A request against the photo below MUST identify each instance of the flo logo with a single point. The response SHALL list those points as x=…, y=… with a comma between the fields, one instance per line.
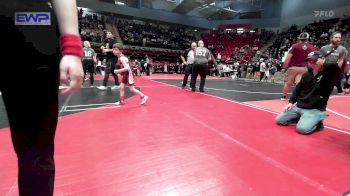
x=32, y=18
x=323, y=13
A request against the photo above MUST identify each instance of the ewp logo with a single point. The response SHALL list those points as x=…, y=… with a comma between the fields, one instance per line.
x=32, y=18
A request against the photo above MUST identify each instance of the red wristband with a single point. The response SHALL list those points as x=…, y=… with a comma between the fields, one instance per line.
x=71, y=44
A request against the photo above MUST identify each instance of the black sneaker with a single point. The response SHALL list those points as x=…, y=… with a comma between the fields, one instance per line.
x=183, y=87
x=202, y=91
x=120, y=102
x=283, y=98
x=320, y=126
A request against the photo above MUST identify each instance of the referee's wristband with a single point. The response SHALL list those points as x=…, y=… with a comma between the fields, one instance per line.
x=71, y=44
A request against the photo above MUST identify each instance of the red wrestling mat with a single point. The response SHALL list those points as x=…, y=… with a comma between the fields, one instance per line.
x=163, y=76
x=338, y=110
x=180, y=77
x=184, y=143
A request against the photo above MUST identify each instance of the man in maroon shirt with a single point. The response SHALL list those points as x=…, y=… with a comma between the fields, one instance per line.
x=295, y=65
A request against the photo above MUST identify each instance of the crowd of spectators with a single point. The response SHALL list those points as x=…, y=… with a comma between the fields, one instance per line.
x=152, y=34
x=238, y=53
x=319, y=32
x=91, y=26
x=233, y=45
x=162, y=42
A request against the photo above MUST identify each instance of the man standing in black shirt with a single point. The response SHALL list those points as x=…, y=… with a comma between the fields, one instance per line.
x=110, y=61
x=307, y=106
x=187, y=59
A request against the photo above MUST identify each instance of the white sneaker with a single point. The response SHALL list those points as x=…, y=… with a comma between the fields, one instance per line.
x=144, y=100
x=102, y=87
x=115, y=87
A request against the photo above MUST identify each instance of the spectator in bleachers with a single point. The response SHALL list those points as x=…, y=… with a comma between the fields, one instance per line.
x=165, y=67
x=142, y=33
x=147, y=65
x=250, y=73
x=137, y=68
x=272, y=71
x=91, y=25
x=143, y=66
x=218, y=57
x=256, y=71
x=227, y=70
x=177, y=67
x=295, y=65
x=263, y=69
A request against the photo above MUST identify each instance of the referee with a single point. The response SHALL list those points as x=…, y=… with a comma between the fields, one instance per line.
x=202, y=56
x=187, y=59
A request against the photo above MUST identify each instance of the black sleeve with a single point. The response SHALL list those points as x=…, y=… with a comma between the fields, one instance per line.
x=331, y=76
x=184, y=54
x=111, y=42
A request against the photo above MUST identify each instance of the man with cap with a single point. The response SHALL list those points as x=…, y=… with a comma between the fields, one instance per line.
x=295, y=65
x=307, y=105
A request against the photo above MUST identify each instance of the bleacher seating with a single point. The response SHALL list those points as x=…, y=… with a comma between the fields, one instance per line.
x=228, y=43
x=319, y=34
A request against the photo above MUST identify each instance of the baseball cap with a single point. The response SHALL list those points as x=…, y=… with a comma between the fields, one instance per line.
x=314, y=55
x=304, y=35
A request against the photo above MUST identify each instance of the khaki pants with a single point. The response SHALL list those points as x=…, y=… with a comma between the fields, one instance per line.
x=293, y=74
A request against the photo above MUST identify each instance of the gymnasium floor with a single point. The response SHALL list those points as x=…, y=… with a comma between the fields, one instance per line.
x=222, y=142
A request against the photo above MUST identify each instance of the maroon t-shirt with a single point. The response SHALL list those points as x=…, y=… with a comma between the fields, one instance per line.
x=300, y=51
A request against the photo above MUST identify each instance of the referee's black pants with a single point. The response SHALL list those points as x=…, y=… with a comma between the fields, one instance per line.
x=188, y=72
x=110, y=70
x=31, y=98
x=339, y=84
x=202, y=70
